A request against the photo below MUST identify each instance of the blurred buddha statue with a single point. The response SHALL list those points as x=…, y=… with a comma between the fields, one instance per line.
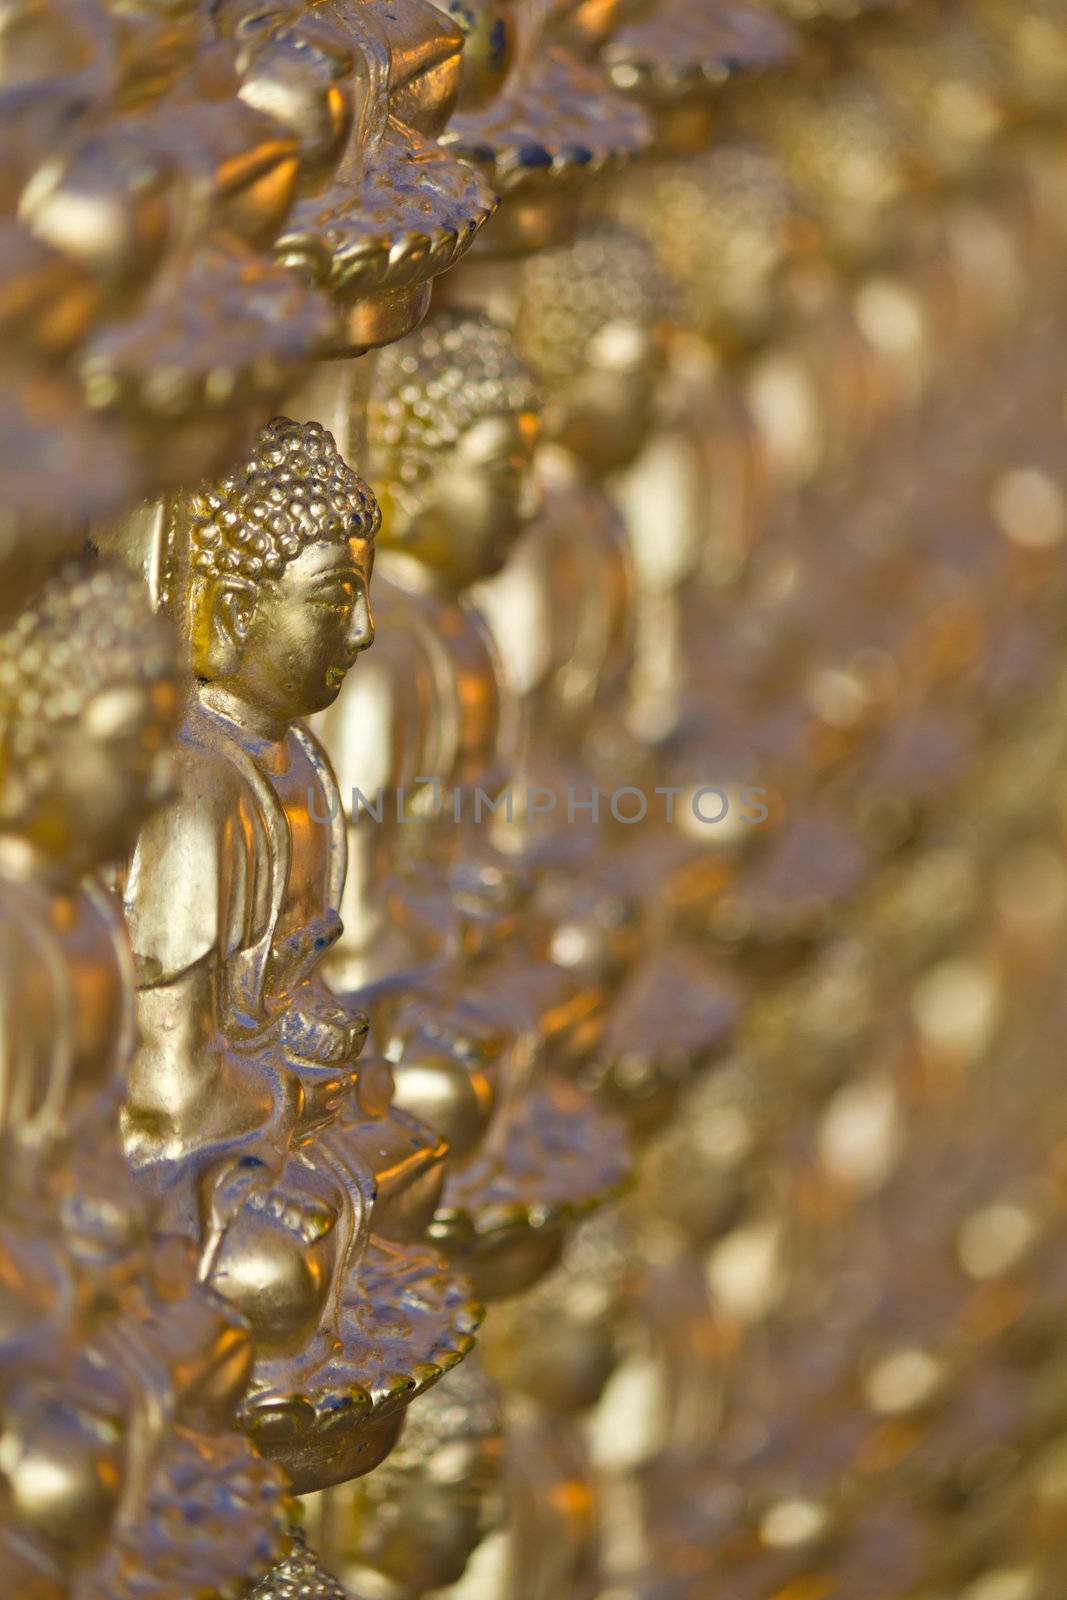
x=839, y=345
x=491, y=1486
x=451, y=426
x=594, y=321
x=1034, y=43
x=595, y=318
x=785, y=342
x=966, y=270
x=559, y=1354
x=121, y=1372
x=196, y=329
x=249, y=1110
x=949, y=76
x=410, y=1528
x=475, y=1016
x=147, y=329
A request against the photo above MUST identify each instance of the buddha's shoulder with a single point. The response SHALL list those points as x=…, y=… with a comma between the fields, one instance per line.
x=213, y=769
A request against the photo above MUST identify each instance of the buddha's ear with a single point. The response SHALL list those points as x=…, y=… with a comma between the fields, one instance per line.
x=226, y=611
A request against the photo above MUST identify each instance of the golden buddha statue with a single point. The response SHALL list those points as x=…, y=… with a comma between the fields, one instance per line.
x=146, y=327
x=248, y=1108
x=461, y=989
x=197, y=330
x=398, y=209
x=596, y=320
x=471, y=1011
x=47, y=306
x=122, y=1373
x=593, y=320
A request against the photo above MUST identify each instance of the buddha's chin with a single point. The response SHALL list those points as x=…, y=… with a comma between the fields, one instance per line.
x=335, y=677
x=327, y=694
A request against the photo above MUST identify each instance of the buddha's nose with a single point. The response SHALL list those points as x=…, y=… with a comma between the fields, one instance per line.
x=361, y=632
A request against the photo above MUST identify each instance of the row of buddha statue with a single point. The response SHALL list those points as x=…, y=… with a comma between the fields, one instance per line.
x=522, y=923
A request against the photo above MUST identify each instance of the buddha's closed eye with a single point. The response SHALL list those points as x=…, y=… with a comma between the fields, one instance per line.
x=339, y=595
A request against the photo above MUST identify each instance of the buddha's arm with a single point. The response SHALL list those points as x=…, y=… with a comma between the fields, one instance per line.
x=172, y=1081
x=185, y=896
x=360, y=733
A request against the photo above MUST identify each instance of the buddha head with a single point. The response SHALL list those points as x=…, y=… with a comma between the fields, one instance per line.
x=277, y=558
x=89, y=697
x=452, y=423
x=590, y=322
x=726, y=224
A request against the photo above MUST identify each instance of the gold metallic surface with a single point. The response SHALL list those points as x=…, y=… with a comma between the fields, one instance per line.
x=555, y=124
x=121, y=1373
x=605, y=857
x=397, y=209
x=248, y=1106
x=475, y=1021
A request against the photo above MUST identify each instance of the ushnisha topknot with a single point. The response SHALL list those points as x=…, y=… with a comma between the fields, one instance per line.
x=294, y=490
x=607, y=274
x=430, y=387
x=90, y=628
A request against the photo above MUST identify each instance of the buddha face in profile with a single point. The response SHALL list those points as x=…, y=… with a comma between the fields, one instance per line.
x=281, y=555
x=591, y=324
x=89, y=700
x=453, y=423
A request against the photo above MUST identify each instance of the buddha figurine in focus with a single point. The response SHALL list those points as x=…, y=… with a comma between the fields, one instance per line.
x=249, y=1109
x=467, y=1003
x=122, y=1473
